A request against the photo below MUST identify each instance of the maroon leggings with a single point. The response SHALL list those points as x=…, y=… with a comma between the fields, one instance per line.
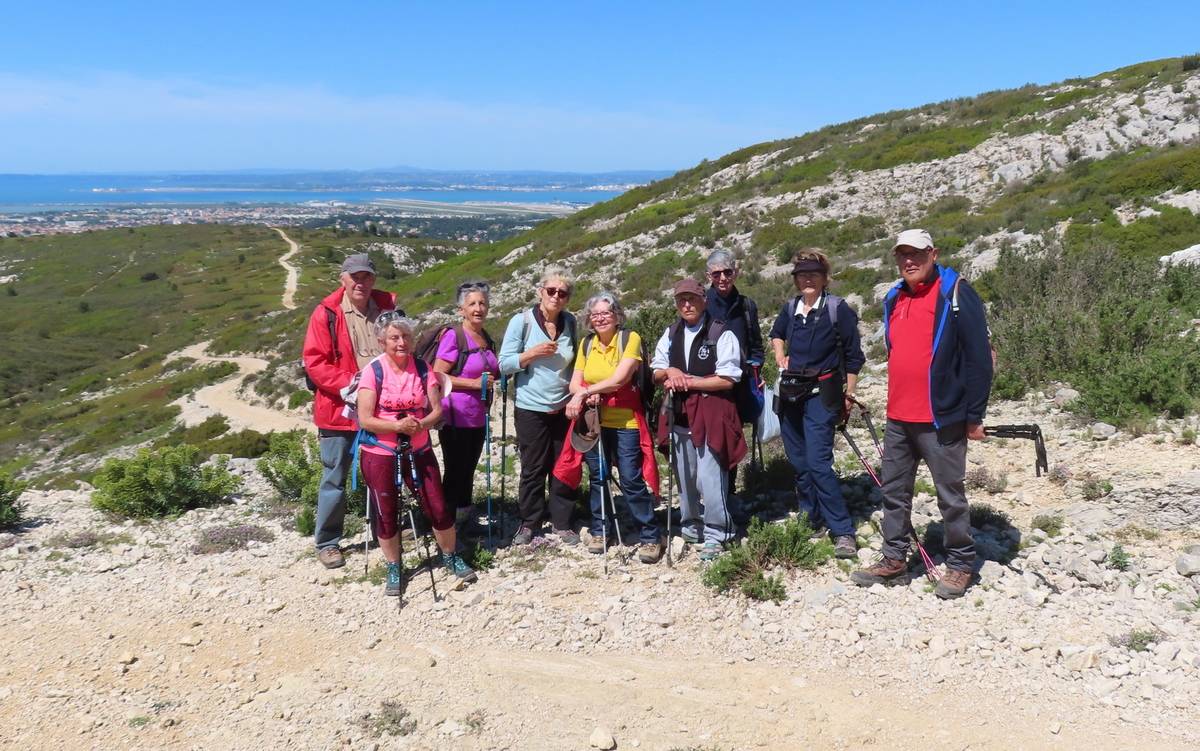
x=379, y=471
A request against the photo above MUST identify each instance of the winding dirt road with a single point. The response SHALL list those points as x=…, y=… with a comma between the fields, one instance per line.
x=222, y=398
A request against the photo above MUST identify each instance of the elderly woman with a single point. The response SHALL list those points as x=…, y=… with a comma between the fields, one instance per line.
x=398, y=401
x=465, y=354
x=539, y=351
x=608, y=358
x=740, y=315
x=819, y=363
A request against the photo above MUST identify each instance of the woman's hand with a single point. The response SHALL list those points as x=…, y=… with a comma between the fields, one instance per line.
x=545, y=349
x=408, y=425
x=593, y=400
x=781, y=361
x=575, y=406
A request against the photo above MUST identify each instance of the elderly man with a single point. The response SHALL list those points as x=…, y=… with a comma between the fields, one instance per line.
x=339, y=342
x=939, y=378
x=698, y=361
x=740, y=315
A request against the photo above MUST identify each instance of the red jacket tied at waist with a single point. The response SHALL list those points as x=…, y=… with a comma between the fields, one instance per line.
x=569, y=467
x=714, y=422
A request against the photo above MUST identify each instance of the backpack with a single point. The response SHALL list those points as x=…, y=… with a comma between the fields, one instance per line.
x=427, y=346
x=527, y=323
x=350, y=392
x=643, y=377
x=331, y=319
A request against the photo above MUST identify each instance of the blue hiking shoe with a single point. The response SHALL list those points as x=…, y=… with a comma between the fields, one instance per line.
x=457, y=566
x=391, y=587
x=710, y=550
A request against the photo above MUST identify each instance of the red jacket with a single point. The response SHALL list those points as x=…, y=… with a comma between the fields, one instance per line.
x=569, y=466
x=329, y=374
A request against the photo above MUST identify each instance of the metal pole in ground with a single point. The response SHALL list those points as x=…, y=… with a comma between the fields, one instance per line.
x=503, y=446
x=603, y=506
x=487, y=447
x=669, y=407
x=405, y=447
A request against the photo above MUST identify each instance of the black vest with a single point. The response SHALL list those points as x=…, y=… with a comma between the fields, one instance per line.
x=702, y=360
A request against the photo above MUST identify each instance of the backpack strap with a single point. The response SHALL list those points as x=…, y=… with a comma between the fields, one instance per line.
x=954, y=297
x=462, y=348
x=587, y=345
x=331, y=320
x=377, y=368
x=790, y=315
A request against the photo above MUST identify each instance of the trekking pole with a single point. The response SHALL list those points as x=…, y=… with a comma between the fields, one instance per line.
x=1032, y=432
x=399, y=480
x=367, y=538
x=405, y=445
x=866, y=416
x=603, y=506
x=930, y=568
x=503, y=446
x=487, y=443
x=669, y=405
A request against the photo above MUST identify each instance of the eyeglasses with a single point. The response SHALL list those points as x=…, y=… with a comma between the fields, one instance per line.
x=601, y=315
x=560, y=293
x=719, y=273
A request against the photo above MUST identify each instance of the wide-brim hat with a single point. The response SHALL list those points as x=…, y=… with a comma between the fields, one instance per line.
x=587, y=430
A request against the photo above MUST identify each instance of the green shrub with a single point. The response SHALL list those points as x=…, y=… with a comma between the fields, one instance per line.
x=11, y=509
x=299, y=398
x=983, y=515
x=1094, y=488
x=1136, y=640
x=1051, y=524
x=292, y=465
x=306, y=521
x=161, y=482
x=228, y=538
x=1070, y=317
x=246, y=444
x=767, y=546
x=1118, y=558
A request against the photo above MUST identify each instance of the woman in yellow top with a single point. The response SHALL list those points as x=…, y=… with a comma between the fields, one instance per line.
x=605, y=365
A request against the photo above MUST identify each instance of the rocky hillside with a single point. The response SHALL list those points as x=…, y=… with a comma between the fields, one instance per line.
x=1113, y=158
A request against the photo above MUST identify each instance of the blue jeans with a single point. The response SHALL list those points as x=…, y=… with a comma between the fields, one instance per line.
x=331, y=495
x=807, y=427
x=623, y=442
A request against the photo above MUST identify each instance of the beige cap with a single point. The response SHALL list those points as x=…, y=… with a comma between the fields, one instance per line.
x=914, y=238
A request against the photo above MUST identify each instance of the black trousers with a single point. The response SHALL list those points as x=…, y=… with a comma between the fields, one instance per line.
x=461, y=448
x=540, y=437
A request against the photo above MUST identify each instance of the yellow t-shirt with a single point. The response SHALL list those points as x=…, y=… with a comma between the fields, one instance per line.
x=602, y=363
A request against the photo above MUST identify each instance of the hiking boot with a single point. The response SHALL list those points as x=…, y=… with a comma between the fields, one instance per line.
x=457, y=566
x=845, y=546
x=710, y=550
x=391, y=587
x=567, y=536
x=690, y=535
x=596, y=544
x=524, y=536
x=953, y=584
x=331, y=557
x=886, y=571
x=651, y=552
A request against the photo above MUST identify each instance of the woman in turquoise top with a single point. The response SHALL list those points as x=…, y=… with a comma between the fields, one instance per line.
x=538, y=353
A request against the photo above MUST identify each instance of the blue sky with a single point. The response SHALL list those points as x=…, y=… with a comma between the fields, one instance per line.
x=129, y=86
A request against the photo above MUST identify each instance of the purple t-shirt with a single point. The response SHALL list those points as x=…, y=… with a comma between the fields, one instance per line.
x=466, y=409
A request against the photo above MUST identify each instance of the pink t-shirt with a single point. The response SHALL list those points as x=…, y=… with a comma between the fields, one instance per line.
x=464, y=409
x=402, y=394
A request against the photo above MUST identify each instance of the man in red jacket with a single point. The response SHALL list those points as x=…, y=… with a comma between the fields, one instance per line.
x=339, y=342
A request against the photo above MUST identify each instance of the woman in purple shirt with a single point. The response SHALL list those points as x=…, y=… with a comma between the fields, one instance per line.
x=465, y=411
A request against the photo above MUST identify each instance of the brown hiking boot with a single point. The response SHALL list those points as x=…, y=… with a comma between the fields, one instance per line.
x=331, y=557
x=953, y=584
x=886, y=571
x=650, y=552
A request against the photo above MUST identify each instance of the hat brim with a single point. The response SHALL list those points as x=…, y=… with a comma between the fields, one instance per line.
x=587, y=431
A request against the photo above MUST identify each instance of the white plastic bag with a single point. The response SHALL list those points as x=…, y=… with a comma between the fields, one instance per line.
x=768, y=421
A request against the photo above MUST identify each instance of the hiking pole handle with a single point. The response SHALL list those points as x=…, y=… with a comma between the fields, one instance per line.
x=483, y=386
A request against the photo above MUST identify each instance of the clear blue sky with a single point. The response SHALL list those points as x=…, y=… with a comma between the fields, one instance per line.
x=128, y=86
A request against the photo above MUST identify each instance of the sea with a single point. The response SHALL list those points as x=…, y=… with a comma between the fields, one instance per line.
x=32, y=193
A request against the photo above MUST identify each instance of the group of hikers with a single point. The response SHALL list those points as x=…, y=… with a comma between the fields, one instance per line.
x=582, y=395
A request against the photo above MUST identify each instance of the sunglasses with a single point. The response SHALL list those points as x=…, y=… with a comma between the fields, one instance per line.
x=719, y=273
x=560, y=293
x=474, y=286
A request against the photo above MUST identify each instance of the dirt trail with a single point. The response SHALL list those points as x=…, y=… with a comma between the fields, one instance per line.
x=293, y=273
x=223, y=398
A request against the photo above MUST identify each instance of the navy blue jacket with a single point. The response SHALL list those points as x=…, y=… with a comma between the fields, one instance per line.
x=740, y=315
x=960, y=374
x=814, y=345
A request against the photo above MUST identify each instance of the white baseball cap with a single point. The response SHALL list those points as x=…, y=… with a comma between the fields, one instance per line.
x=914, y=238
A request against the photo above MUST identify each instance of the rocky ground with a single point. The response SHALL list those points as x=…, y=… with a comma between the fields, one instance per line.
x=122, y=635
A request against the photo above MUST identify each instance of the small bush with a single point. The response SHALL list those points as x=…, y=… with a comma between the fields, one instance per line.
x=161, y=482
x=1094, y=488
x=1059, y=474
x=1051, y=524
x=12, y=511
x=292, y=465
x=983, y=515
x=1117, y=558
x=1191, y=62
x=480, y=558
x=229, y=538
x=299, y=399
x=1131, y=532
x=87, y=538
x=391, y=719
x=979, y=478
x=306, y=521
x=245, y=444
x=1188, y=437
x=767, y=546
x=1136, y=640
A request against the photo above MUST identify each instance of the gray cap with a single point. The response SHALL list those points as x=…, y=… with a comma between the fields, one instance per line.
x=356, y=263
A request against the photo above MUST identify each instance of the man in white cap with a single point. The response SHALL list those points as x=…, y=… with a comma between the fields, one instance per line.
x=339, y=342
x=939, y=378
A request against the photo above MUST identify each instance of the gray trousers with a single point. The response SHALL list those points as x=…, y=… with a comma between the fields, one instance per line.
x=331, y=495
x=703, y=490
x=945, y=453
